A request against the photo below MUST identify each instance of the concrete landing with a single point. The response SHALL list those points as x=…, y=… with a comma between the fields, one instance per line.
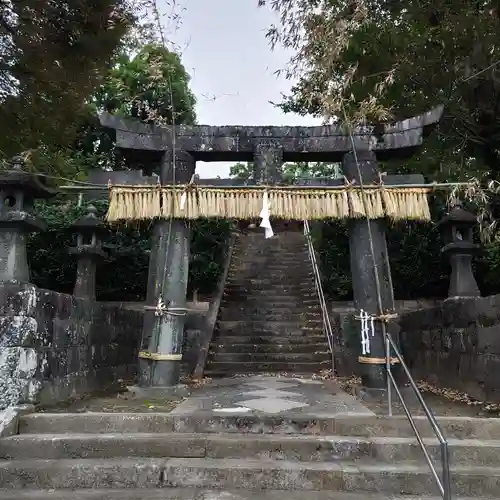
x=197, y=494
x=272, y=395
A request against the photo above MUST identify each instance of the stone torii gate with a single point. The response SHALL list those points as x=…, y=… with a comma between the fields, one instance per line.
x=151, y=147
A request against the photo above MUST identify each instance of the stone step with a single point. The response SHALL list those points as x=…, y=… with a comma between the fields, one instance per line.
x=270, y=294
x=278, y=302
x=278, y=287
x=351, y=425
x=306, y=290
x=280, y=328
x=253, y=272
x=296, y=255
x=289, y=248
x=232, y=314
x=216, y=368
x=298, y=448
x=267, y=306
x=269, y=339
x=285, y=281
x=270, y=348
x=272, y=262
x=265, y=280
x=282, y=313
x=239, y=474
x=201, y=494
x=259, y=271
x=255, y=275
x=255, y=298
x=285, y=475
x=268, y=358
x=270, y=255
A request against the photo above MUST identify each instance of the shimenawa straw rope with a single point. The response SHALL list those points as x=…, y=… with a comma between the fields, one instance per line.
x=288, y=202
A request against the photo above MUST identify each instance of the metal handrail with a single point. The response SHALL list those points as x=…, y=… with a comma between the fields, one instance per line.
x=444, y=483
x=319, y=290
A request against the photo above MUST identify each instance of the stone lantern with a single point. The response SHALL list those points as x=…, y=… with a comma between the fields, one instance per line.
x=18, y=191
x=89, y=232
x=457, y=229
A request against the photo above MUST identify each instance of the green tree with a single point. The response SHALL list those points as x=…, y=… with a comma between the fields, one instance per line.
x=53, y=55
x=123, y=274
x=290, y=171
x=378, y=60
x=152, y=86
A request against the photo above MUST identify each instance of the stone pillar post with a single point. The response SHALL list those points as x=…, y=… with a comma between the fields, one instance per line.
x=267, y=163
x=361, y=231
x=457, y=229
x=88, y=250
x=18, y=190
x=161, y=352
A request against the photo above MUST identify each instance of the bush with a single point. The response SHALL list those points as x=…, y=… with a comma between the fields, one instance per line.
x=123, y=274
x=418, y=268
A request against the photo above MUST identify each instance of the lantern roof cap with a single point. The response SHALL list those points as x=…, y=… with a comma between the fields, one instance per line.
x=458, y=215
x=90, y=221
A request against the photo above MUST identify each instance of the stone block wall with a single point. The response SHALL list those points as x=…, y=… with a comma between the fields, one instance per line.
x=195, y=330
x=456, y=345
x=54, y=346
x=347, y=332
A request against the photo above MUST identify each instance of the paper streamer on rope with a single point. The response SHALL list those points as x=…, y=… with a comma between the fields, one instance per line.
x=288, y=203
x=264, y=215
x=183, y=200
x=367, y=331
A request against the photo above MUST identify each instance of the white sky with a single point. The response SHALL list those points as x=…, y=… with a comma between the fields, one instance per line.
x=224, y=49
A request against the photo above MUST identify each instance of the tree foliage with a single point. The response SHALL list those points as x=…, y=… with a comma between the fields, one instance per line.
x=290, y=171
x=53, y=55
x=378, y=60
x=152, y=86
x=122, y=275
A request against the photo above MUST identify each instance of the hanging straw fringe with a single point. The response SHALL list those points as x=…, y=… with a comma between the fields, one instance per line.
x=289, y=203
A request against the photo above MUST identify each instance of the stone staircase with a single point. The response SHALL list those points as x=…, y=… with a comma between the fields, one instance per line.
x=127, y=456
x=270, y=318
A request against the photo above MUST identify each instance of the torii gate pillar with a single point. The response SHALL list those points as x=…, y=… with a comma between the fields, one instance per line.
x=161, y=350
x=370, y=272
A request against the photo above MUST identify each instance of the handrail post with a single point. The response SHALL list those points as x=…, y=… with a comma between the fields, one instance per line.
x=444, y=484
x=388, y=374
x=445, y=462
x=319, y=290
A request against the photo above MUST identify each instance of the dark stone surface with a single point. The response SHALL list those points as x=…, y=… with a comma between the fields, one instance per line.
x=167, y=283
x=18, y=190
x=457, y=230
x=267, y=163
x=238, y=143
x=371, y=274
x=198, y=345
x=88, y=250
x=269, y=317
x=167, y=280
x=54, y=346
x=346, y=332
x=456, y=345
